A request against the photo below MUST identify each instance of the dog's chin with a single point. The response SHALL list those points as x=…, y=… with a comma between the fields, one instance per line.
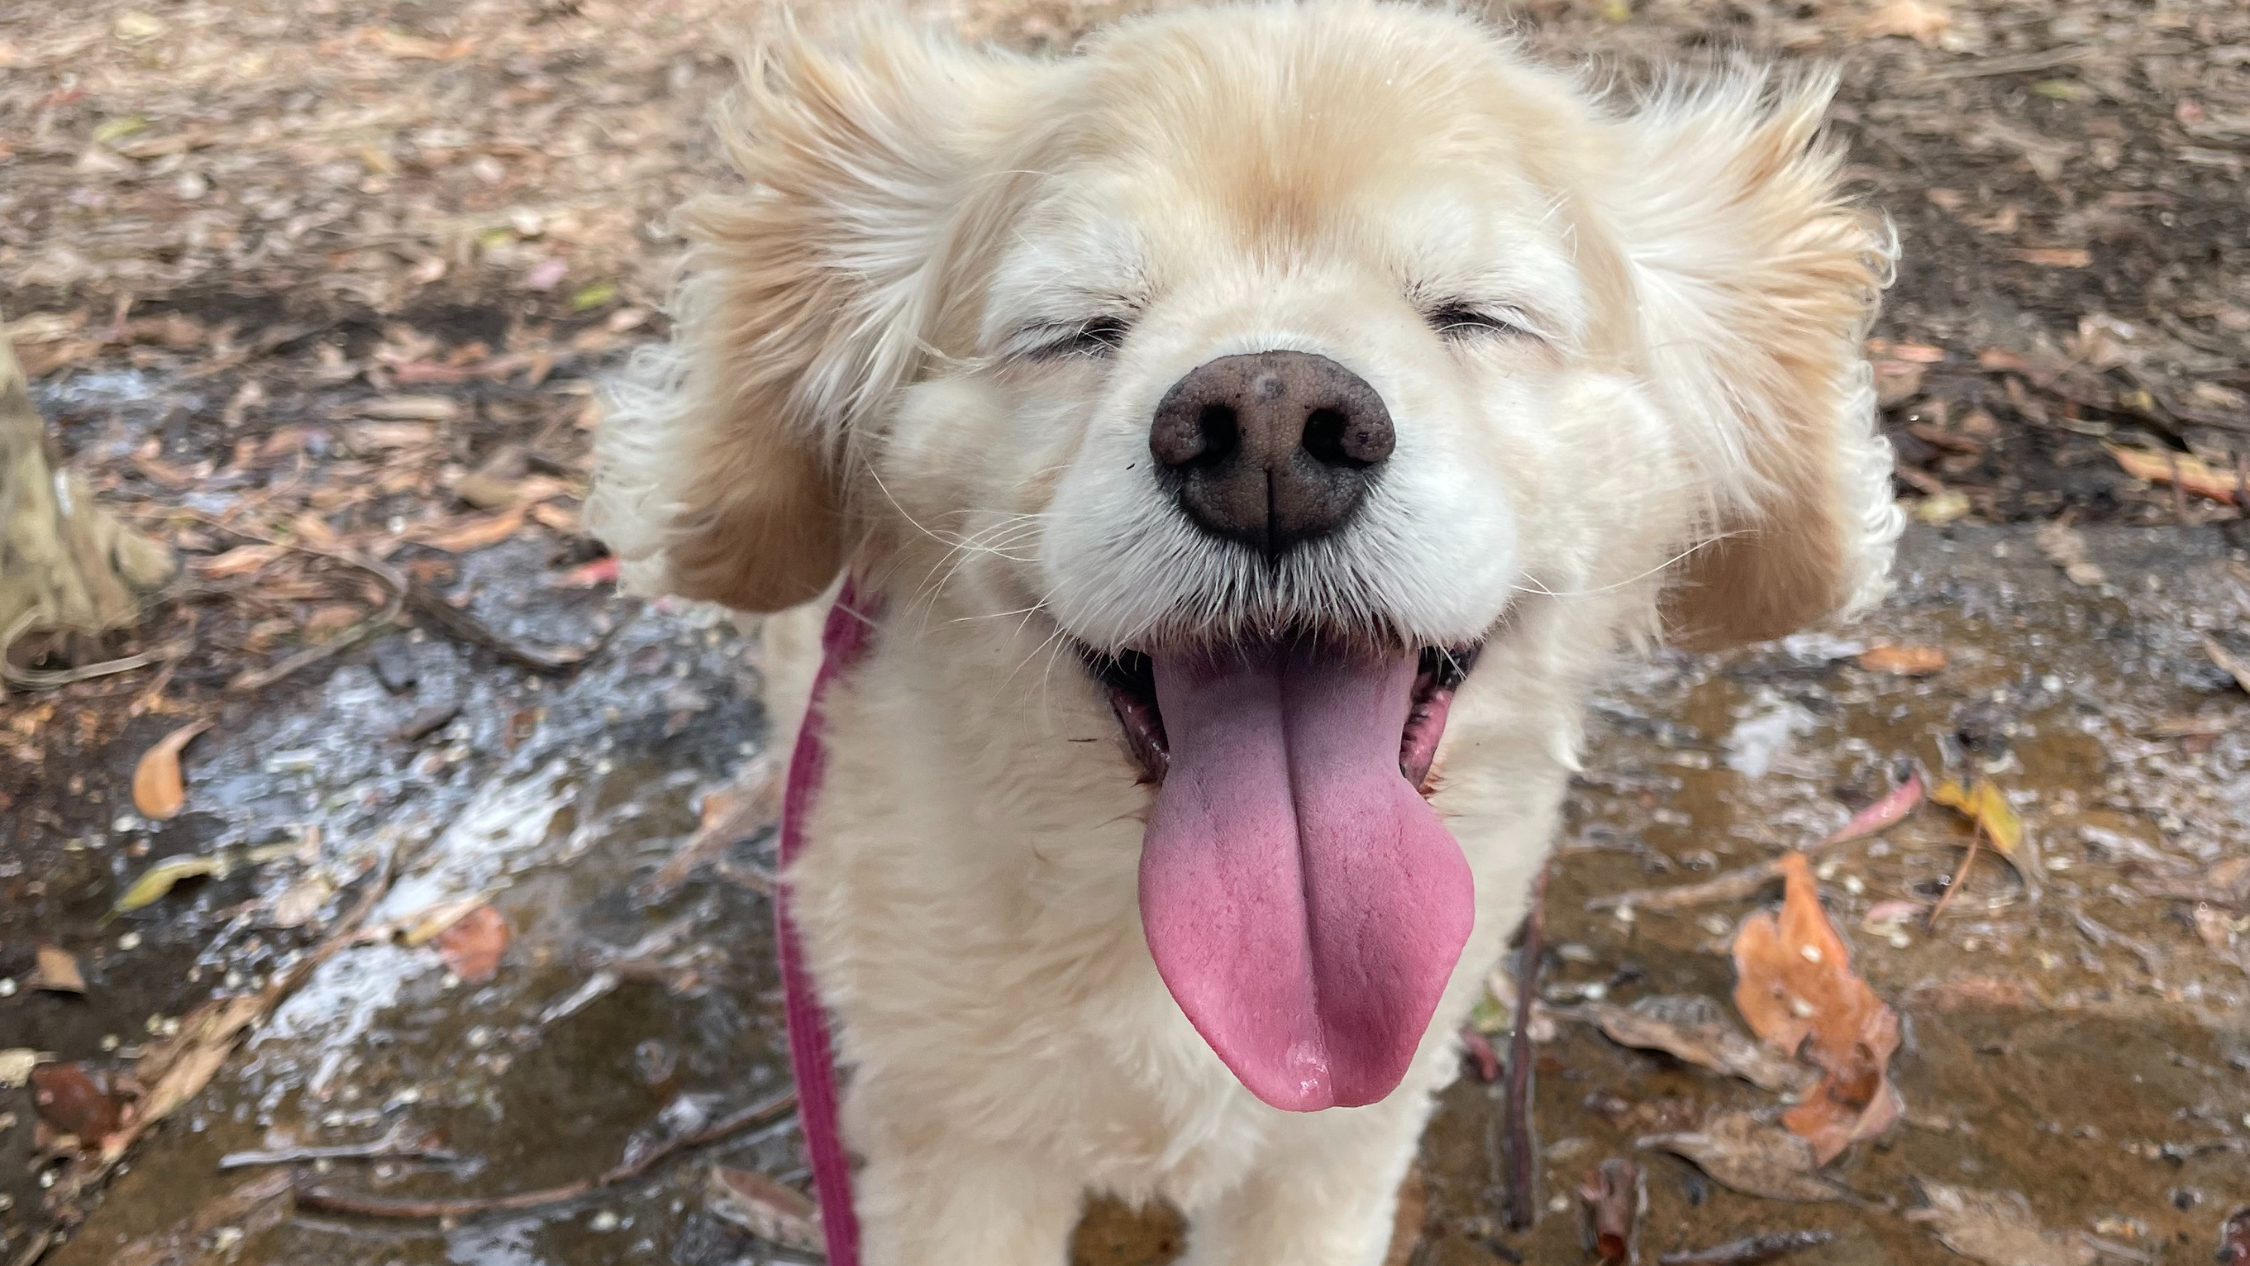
x=1128, y=679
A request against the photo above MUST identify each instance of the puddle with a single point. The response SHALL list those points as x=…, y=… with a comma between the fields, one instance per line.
x=2085, y=1047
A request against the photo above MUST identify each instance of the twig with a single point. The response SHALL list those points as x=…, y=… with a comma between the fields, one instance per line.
x=35, y=1250
x=390, y=1146
x=1751, y=1251
x=1518, y=1146
x=326, y=1201
x=40, y=679
x=1734, y=885
x=453, y=620
x=2048, y=60
x=1960, y=875
x=393, y=609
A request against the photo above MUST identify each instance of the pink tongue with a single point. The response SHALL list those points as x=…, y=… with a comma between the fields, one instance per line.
x=1303, y=903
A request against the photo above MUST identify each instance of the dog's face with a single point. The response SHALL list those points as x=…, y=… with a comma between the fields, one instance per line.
x=1271, y=358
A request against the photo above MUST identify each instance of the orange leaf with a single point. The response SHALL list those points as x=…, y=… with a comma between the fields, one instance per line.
x=2053, y=256
x=1796, y=988
x=157, y=791
x=473, y=945
x=1903, y=661
x=2189, y=471
x=475, y=534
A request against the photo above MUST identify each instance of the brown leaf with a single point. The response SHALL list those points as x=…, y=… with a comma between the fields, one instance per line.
x=1742, y=1153
x=1903, y=661
x=2235, y=666
x=254, y=1207
x=411, y=409
x=74, y=1102
x=778, y=1214
x=1669, y=1025
x=473, y=945
x=241, y=560
x=1996, y=1227
x=474, y=534
x=2052, y=256
x=57, y=971
x=178, y=1069
x=1612, y=1200
x=2184, y=469
x=1796, y=988
x=157, y=790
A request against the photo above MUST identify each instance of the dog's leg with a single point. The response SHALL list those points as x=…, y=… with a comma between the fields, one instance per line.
x=943, y=1207
x=1323, y=1198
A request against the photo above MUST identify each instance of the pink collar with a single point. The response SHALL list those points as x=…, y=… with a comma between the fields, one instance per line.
x=812, y=1056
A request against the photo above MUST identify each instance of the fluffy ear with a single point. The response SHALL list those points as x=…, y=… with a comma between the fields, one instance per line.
x=722, y=468
x=1756, y=283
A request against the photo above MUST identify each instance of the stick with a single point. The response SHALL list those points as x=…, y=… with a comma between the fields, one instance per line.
x=1960, y=876
x=1734, y=885
x=1749, y=1252
x=457, y=623
x=1518, y=1145
x=326, y=1201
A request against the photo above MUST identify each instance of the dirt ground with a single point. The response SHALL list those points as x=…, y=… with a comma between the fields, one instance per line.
x=320, y=292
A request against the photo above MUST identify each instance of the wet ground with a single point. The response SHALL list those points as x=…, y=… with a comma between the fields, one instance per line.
x=2088, y=1046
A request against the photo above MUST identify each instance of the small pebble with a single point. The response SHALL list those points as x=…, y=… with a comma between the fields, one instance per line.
x=1900, y=940
x=110, y=1041
x=607, y=1221
x=1854, y=885
x=129, y=942
x=1560, y=1204
x=7, y=986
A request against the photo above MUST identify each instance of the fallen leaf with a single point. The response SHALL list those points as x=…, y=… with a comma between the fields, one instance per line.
x=1894, y=805
x=157, y=791
x=2052, y=256
x=16, y=1064
x=433, y=921
x=177, y=1069
x=159, y=879
x=1942, y=508
x=1612, y=1201
x=1915, y=19
x=72, y=1101
x=473, y=945
x=1903, y=661
x=594, y=296
x=411, y=409
x=241, y=560
x=1884, y=915
x=250, y=1209
x=2214, y=927
x=1683, y=1028
x=474, y=534
x=57, y=971
x=1996, y=1227
x=1796, y=988
x=778, y=1214
x=299, y=902
x=557, y=518
x=2185, y=469
x=2235, y=666
x=1987, y=806
x=1744, y=1154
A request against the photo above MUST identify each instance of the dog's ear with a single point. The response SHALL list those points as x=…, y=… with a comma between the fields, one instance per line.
x=722, y=468
x=1755, y=283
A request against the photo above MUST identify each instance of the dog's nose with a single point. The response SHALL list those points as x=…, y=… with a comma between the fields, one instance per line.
x=1271, y=448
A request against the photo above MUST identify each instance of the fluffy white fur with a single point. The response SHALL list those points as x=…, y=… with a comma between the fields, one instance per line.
x=1678, y=440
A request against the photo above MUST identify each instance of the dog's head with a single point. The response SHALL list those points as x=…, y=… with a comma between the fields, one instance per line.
x=1272, y=355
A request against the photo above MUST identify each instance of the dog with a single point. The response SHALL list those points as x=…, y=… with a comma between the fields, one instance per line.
x=1255, y=432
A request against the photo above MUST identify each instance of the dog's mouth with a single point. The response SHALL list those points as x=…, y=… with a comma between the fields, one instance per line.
x=1129, y=681
x=1303, y=902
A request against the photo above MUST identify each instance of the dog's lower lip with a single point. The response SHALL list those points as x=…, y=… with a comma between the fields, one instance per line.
x=1128, y=679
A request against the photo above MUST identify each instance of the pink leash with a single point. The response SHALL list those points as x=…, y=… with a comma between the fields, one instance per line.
x=812, y=1056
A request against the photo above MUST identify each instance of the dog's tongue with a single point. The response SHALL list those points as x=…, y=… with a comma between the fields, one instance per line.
x=1303, y=903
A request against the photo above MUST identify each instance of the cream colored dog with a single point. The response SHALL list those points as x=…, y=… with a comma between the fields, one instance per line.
x=1260, y=428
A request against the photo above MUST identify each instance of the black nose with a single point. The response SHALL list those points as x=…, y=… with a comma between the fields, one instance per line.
x=1271, y=448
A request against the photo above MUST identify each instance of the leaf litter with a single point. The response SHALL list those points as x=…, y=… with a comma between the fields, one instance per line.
x=157, y=789
x=1747, y=1155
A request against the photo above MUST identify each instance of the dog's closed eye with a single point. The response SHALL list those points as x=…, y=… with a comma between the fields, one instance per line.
x=1461, y=320
x=1099, y=336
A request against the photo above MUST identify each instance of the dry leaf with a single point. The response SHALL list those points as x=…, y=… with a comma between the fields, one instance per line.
x=16, y=1064
x=72, y=1101
x=2052, y=256
x=1679, y=1027
x=1915, y=19
x=1890, y=809
x=2236, y=666
x=241, y=560
x=159, y=879
x=57, y=971
x=250, y=1209
x=1996, y=1227
x=178, y=1069
x=300, y=901
x=473, y=945
x=2186, y=469
x=1903, y=661
x=556, y=518
x=778, y=1214
x=411, y=409
x=1742, y=1153
x=1987, y=806
x=1612, y=1201
x=432, y=922
x=157, y=792
x=1796, y=988
x=474, y=534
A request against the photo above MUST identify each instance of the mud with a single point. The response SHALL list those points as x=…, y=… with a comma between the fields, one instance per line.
x=2085, y=1047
